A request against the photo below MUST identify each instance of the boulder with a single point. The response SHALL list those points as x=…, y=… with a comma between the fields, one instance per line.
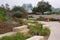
x=36, y=38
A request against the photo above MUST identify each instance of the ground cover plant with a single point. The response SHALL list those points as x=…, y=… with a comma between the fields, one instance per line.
x=18, y=36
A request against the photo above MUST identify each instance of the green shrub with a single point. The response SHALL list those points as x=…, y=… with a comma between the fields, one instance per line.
x=41, y=18
x=18, y=15
x=52, y=19
x=2, y=15
x=21, y=22
x=38, y=30
x=45, y=32
x=15, y=37
x=35, y=30
x=30, y=16
x=2, y=19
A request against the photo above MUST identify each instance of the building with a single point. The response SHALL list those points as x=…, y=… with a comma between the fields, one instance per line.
x=28, y=7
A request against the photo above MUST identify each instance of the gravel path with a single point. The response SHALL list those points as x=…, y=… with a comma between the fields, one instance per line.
x=55, y=30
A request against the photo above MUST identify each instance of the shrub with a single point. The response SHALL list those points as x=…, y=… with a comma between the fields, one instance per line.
x=45, y=32
x=22, y=22
x=2, y=15
x=30, y=16
x=52, y=19
x=34, y=30
x=38, y=30
x=3, y=19
x=18, y=14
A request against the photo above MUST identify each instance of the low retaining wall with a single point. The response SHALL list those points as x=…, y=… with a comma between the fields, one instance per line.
x=36, y=38
x=46, y=16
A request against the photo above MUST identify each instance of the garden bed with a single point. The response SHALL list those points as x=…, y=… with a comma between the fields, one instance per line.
x=7, y=27
x=34, y=27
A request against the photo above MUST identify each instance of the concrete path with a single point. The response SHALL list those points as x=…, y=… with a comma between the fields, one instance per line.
x=55, y=30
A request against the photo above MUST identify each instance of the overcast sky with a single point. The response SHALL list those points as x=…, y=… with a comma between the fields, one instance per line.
x=54, y=3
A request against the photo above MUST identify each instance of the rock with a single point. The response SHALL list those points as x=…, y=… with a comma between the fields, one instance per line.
x=26, y=31
x=8, y=34
x=36, y=38
x=45, y=26
x=31, y=24
x=20, y=28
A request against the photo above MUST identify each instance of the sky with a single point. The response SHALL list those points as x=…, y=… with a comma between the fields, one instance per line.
x=54, y=3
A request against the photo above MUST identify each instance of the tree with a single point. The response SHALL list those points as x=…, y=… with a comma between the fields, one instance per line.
x=18, y=8
x=7, y=7
x=42, y=7
x=35, y=9
x=2, y=14
x=3, y=6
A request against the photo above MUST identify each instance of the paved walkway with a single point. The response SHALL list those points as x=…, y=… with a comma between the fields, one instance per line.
x=55, y=30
